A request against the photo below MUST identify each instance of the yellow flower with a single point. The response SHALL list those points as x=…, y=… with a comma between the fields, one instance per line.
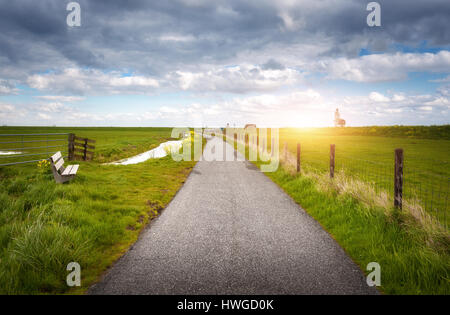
x=43, y=164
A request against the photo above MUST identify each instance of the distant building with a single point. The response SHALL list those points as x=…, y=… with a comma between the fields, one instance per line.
x=338, y=121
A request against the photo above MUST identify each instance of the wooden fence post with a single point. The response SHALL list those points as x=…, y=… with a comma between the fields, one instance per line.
x=71, y=147
x=332, y=156
x=298, y=157
x=398, y=179
x=85, y=149
x=79, y=148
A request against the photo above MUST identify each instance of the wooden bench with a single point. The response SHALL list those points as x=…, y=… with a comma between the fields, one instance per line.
x=60, y=173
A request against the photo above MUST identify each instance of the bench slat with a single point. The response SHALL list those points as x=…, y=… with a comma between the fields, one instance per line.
x=56, y=156
x=67, y=170
x=59, y=164
x=74, y=170
x=61, y=174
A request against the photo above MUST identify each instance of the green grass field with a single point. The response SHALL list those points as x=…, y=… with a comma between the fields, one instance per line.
x=92, y=220
x=370, y=158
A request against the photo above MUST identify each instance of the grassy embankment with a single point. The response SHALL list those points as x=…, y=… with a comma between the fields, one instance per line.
x=414, y=252
x=92, y=220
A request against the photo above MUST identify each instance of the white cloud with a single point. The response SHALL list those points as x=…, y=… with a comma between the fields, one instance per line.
x=290, y=23
x=440, y=101
x=6, y=108
x=59, y=98
x=177, y=38
x=89, y=81
x=52, y=107
x=304, y=108
x=236, y=79
x=44, y=116
x=401, y=107
x=398, y=98
x=383, y=67
x=300, y=107
x=135, y=81
x=394, y=110
x=168, y=110
x=377, y=97
x=7, y=88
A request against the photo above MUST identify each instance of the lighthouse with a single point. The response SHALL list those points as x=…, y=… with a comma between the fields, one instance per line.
x=338, y=121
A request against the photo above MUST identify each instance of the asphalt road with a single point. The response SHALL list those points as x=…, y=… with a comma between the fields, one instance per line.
x=231, y=230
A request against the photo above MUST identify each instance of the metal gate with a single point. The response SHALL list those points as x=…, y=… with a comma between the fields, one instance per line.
x=31, y=148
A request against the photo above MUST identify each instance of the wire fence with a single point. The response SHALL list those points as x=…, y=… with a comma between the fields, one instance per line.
x=428, y=189
x=379, y=175
x=422, y=189
x=30, y=148
x=425, y=184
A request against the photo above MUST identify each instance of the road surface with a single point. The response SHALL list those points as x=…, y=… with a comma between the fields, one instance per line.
x=231, y=230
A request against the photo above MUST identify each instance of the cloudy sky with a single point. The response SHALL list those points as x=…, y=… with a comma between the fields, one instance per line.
x=212, y=62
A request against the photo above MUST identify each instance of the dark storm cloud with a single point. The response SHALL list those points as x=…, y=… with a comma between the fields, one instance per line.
x=272, y=64
x=417, y=20
x=156, y=37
